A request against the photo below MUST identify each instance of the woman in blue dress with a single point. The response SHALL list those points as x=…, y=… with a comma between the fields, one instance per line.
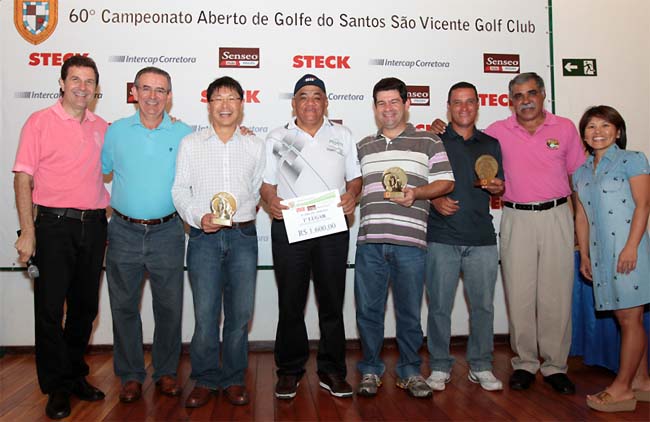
x=613, y=188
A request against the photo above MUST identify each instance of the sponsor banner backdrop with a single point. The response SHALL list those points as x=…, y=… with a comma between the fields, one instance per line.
x=266, y=47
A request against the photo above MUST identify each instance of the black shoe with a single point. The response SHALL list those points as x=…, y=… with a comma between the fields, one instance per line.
x=286, y=387
x=561, y=383
x=335, y=384
x=86, y=392
x=521, y=380
x=58, y=405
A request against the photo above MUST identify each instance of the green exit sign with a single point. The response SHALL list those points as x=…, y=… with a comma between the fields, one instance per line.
x=579, y=67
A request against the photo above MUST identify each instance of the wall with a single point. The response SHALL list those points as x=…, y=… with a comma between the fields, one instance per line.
x=618, y=37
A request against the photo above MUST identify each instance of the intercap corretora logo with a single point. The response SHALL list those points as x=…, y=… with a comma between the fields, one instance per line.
x=36, y=20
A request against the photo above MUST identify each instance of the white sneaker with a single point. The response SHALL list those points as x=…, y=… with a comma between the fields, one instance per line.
x=487, y=380
x=438, y=379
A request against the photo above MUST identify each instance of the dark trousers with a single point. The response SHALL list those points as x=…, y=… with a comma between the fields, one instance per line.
x=325, y=259
x=69, y=254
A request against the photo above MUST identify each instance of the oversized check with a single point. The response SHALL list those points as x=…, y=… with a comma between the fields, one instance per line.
x=313, y=216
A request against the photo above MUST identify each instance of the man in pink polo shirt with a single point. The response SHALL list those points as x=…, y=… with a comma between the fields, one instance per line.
x=61, y=201
x=540, y=152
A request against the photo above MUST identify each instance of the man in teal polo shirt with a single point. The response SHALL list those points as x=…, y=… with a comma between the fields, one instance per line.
x=145, y=234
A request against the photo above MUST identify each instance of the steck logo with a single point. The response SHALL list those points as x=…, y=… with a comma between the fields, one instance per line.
x=239, y=57
x=35, y=21
x=320, y=62
x=494, y=100
x=418, y=94
x=250, y=96
x=501, y=63
x=51, y=59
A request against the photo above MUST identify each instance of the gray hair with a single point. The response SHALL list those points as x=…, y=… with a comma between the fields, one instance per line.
x=525, y=77
x=155, y=70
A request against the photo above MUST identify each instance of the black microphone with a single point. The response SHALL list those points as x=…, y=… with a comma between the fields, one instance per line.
x=32, y=269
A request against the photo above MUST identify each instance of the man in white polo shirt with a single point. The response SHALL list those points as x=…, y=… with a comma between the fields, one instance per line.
x=308, y=155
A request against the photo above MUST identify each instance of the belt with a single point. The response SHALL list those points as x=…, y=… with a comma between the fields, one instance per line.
x=75, y=213
x=239, y=225
x=149, y=222
x=542, y=206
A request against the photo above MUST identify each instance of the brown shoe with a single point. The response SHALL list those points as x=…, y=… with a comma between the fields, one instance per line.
x=131, y=391
x=167, y=385
x=199, y=397
x=237, y=395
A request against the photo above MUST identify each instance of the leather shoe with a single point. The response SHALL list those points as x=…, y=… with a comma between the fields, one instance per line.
x=199, y=396
x=167, y=385
x=237, y=395
x=521, y=379
x=561, y=383
x=131, y=391
x=58, y=405
x=85, y=391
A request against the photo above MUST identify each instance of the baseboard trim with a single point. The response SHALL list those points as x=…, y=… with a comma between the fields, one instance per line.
x=253, y=346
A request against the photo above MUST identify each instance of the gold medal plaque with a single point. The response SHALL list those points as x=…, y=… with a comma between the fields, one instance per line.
x=394, y=181
x=223, y=206
x=486, y=168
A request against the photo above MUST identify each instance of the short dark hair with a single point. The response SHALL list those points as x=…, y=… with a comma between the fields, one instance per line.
x=389, y=84
x=155, y=70
x=525, y=77
x=79, y=61
x=225, y=82
x=459, y=85
x=608, y=114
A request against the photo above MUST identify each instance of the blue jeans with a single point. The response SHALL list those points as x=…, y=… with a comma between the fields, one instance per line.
x=222, y=267
x=377, y=264
x=133, y=250
x=479, y=265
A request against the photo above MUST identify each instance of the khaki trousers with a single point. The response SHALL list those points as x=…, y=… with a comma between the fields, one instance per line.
x=537, y=265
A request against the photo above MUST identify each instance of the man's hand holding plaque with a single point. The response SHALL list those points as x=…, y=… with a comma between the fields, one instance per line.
x=487, y=168
x=223, y=206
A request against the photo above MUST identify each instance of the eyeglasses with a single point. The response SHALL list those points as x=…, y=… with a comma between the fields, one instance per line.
x=227, y=100
x=146, y=89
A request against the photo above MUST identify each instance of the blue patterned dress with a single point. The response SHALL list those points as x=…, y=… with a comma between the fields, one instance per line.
x=607, y=199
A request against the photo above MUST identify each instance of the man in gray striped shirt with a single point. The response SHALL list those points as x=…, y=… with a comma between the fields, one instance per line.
x=392, y=236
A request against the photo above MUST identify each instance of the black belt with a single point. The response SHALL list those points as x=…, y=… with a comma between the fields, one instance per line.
x=239, y=225
x=149, y=222
x=75, y=213
x=542, y=206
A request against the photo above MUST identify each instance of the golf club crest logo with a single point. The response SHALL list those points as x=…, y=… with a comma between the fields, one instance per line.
x=35, y=21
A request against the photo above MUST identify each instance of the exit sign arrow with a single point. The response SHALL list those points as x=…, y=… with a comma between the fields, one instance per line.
x=570, y=67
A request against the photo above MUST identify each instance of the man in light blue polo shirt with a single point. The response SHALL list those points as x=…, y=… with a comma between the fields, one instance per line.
x=145, y=235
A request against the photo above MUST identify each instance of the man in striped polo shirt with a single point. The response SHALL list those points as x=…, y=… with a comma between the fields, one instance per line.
x=391, y=245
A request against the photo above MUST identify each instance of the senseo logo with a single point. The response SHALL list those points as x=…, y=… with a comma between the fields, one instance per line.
x=418, y=94
x=321, y=62
x=501, y=63
x=494, y=100
x=239, y=57
x=250, y=96
x=51, y=59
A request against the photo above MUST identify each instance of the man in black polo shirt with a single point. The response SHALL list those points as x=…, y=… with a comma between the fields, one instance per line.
x=461, y=239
